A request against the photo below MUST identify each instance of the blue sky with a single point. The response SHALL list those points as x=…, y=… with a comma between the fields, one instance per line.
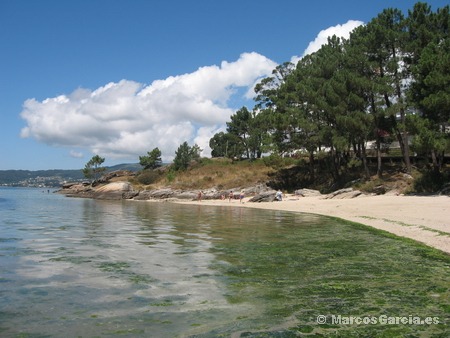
x=119, y=78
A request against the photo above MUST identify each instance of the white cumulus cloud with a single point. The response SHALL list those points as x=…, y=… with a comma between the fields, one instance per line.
x=322, y=38
x=127, y=119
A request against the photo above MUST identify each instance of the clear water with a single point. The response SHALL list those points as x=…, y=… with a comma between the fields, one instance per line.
x=89, y=268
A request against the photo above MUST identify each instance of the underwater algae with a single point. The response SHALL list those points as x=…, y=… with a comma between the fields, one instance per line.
x=337, y=268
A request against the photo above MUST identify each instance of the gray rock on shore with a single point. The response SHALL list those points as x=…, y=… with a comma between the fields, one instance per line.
x=307, y=192
x=267, y=196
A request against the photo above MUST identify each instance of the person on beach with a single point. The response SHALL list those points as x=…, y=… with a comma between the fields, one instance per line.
x=279, y=196
x=230, y=196
x=199, y=196
x=241, y=196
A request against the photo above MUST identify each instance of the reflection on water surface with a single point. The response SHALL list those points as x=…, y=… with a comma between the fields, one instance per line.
x=104, y=268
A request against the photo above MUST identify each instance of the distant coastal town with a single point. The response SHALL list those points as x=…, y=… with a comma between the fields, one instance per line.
x=53, y=178
x=40, y=182
x=54, y=181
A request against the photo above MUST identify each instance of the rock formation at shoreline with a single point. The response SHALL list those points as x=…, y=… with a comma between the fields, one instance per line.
x=124, y=190
x=106, y=190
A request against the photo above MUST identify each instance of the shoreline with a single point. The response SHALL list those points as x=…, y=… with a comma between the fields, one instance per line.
x=425, y=219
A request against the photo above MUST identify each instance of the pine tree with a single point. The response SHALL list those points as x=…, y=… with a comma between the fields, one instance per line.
x=93, y=168
x=152, y=160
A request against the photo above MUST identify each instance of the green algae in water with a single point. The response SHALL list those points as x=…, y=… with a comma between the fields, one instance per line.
x=140, y=279
x=114, y=266
x=338, y=268
x=71, y=259
x=124, y=269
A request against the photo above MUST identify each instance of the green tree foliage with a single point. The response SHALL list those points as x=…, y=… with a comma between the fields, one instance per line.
x=389, y=81
x=152, y=160
x=270, y=103
x=267, y=89
x=432, y=87
x=389, y=29
x=225, y=145
x=195, y=152
x=429, y=62
x=93, y=168
x=362, y=89
x=258, y=135
x=431, y=94
x=184, y=155
x=240, y=127
x=364, y=64
x=427, y=139
x=245, y=136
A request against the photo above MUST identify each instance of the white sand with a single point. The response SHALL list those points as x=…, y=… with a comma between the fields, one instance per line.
x=424, y=219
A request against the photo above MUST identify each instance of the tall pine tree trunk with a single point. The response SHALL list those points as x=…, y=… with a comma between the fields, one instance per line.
x=434, y=160
x=379, y=161
x=402, y=138
x=311, y=165
x=364, y=159
x=402, y=134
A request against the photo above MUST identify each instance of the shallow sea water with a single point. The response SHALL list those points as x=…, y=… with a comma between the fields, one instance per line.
x=89, y=268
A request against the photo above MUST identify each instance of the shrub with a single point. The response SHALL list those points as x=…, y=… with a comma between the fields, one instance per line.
x=277, y=162
x=171, y=175
x=274, y=161
x=430, y=181
x=147, y=177
x=370, y=186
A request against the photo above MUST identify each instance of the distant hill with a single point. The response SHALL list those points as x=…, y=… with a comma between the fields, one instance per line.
x=53, y=177
x=125, y=166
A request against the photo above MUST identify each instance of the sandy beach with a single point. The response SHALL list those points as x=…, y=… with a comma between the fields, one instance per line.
x=423, y=218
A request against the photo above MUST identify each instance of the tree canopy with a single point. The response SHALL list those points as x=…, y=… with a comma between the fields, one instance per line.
x=185, y=154
x=152, y=160
x=93, y=168
x=388, y=84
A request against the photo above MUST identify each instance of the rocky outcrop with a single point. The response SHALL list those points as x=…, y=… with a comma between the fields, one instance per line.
x=206, y=194
x=267, y=196
x=307, y=192
x=77, y=190
x=343, y=193
x=118, y=173
x=338, y=194
x=104, y=189
x=124, y=190
x=168, y=193
x=110, y=191
x=155, y=194
x=69, y=185
x=115, y=191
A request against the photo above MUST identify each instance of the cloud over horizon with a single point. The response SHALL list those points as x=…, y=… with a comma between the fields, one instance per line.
x=126, y=119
